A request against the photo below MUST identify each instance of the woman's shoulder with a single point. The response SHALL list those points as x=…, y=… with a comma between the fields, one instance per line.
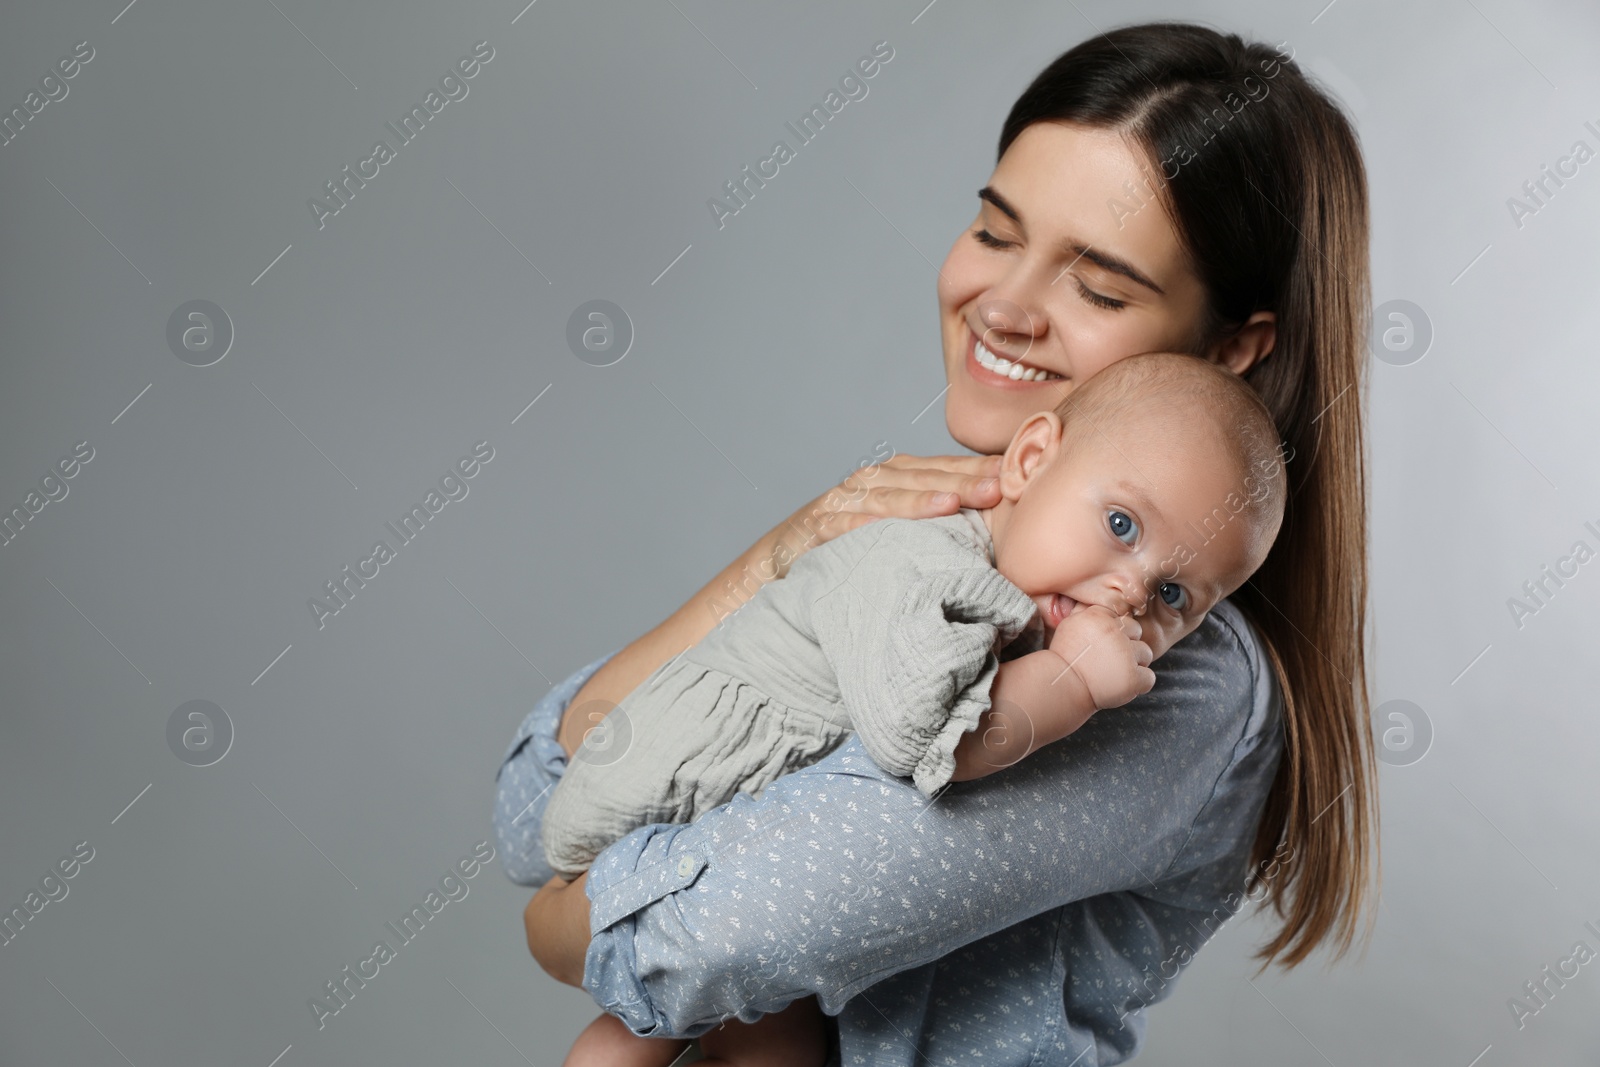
x=1189, y=763
x=1214, y=688
x=1214, y=699
x=1218, y=707
x=1229, y=644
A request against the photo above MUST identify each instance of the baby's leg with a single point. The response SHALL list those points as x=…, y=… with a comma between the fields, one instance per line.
x=797, y=1036
x=606, y=1042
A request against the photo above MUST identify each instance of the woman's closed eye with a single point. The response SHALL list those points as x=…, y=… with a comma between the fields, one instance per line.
x=1099, y=300
x=989, y=240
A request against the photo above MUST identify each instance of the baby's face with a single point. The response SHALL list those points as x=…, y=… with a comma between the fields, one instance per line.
x=1130, y=521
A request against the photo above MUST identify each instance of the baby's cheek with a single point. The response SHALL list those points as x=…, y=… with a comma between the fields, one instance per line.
x=1161, y=638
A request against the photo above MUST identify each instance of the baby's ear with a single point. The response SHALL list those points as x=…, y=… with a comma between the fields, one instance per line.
x=1036, y=443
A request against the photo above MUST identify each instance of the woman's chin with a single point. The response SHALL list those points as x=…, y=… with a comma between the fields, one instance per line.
x=984, y=428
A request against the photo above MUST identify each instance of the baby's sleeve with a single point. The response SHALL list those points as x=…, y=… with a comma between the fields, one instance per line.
x=912, y=632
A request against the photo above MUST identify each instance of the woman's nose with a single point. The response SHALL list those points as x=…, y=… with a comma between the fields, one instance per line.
x=1008, y=328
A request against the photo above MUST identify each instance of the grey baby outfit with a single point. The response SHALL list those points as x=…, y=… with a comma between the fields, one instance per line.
x=893, y=630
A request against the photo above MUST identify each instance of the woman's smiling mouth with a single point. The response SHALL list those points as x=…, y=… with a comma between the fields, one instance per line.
x=989, y=368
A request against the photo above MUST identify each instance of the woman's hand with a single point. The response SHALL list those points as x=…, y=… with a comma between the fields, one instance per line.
x=556, y=922
x=902, y=486
x=907, y=487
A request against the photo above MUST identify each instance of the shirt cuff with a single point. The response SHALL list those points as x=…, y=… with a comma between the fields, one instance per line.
x=632, y=873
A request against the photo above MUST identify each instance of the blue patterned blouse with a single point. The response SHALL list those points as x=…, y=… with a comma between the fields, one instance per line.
x=1023, y=918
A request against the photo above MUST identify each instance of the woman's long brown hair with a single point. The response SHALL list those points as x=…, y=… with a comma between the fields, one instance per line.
x=1262, y=175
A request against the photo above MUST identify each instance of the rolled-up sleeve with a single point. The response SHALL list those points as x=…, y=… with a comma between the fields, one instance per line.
x=529, y=770
x=839, y=875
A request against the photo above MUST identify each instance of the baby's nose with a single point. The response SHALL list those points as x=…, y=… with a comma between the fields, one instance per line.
x=1128, y=590
x=1125, y=589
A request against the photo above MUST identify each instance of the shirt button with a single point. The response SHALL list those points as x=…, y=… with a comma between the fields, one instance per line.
x=685, y=865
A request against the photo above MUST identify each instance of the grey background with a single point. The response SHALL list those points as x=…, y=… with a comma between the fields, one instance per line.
x=768, y=360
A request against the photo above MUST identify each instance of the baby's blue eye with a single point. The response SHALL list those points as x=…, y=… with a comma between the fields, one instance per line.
x=1174, y=596
x=1122, y=527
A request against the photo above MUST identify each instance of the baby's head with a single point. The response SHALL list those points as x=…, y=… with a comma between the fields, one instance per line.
x=1156, y=487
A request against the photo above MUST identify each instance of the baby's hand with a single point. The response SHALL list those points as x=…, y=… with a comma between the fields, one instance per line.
x=1106, y=652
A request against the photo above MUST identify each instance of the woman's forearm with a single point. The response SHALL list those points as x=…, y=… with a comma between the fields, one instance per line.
x=1035, y=699
x=556, y=922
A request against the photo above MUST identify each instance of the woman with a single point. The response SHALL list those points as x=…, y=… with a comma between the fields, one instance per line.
x=1161, y=187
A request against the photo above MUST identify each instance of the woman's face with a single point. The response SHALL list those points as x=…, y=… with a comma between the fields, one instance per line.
x=1071, y=265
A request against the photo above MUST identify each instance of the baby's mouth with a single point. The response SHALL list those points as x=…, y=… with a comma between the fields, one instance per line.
x=1060, y=608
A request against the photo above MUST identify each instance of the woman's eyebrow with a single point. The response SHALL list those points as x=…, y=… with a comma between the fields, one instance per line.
x=988, y=193
x=1113, y=264
x=1102, y=259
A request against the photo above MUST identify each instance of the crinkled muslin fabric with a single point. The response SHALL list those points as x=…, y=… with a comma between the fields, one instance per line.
x=892, y=632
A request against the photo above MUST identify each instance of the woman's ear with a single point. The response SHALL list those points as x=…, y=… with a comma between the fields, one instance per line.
x=1248, y=345
x=1032, y=448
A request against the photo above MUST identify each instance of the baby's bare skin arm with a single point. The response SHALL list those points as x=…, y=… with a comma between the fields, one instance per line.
x=1095, y=660
x=1035, y=699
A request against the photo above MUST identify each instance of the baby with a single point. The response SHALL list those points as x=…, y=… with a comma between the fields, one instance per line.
x=953, y=646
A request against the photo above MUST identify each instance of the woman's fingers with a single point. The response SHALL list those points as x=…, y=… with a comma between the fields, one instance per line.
x=896, y=469
x=872, y=488
x=918, y=503
x=979, y=492
x=901, y=487
x=964, y=464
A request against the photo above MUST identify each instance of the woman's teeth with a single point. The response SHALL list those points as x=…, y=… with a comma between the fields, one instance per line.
x=1016, y=371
